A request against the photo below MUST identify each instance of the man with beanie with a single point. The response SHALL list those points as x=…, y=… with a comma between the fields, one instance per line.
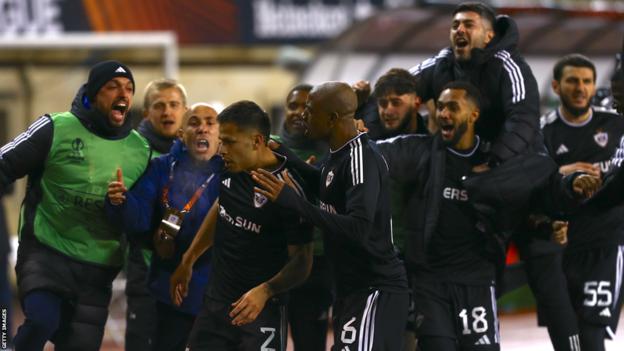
x=69, y=253
x=164, y=106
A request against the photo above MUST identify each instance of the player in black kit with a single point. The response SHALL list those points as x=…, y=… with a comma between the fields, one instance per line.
x=583, y=138
x=452, y=251
x=253, y=240
x=372, y=299
x=453, y=279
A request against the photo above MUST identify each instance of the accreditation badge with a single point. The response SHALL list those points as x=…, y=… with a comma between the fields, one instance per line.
x=164, y=237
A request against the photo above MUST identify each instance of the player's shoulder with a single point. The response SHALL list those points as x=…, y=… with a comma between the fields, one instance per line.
x=299, y=185
x=443, y=55
x=233, y=180
x=608, y=119
x=368, y=145
x=603, y=112
x=549, y=119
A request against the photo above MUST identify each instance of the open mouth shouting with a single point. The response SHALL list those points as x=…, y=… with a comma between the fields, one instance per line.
x=447, y=130
x=461, y=43
x=118, y=112
x=202, y=145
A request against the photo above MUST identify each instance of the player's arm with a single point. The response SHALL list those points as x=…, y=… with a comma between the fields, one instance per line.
x=584, y=167
x=203, y=240
x=563, y=195
x=403, y=154
x=424, y=74
x=521, y=108
x=247, y=308
x=26, y=153
x=362, y=196
x=133, y=209
x=613, y=183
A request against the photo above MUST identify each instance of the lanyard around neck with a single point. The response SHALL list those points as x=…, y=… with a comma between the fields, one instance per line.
x=196, y=195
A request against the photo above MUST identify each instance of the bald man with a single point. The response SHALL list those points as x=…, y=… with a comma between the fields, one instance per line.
x=180, y=186
x=371, y=285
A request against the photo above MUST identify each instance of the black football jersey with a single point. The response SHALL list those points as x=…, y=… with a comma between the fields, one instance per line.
x=355, y=183
x=456, y=252
x=593, y=141
x=251, y=236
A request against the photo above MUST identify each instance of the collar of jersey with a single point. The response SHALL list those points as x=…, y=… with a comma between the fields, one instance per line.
x=560, y=115
x=347, y=143
x=282, y=165
x=469, y=153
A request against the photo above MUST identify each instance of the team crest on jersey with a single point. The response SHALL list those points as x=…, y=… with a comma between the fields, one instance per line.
x=601, y=138
x=330, y=177
x=259, y=200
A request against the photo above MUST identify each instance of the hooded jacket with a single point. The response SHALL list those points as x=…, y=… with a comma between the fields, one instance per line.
x=509, y=117
x=143, y=210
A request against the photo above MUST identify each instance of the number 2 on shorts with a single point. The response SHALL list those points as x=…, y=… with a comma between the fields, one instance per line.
x=265, y=346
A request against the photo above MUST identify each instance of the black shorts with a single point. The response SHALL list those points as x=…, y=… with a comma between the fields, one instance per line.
x=549, y=286
x=370, y=320
x=213, y=330
x=466, y=313
x=595, y=284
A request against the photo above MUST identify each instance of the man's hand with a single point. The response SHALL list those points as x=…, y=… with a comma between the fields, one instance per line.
x=586, y=185
x=271, y=185
x=481, y=168
x=246, y=309
x=273, y=145
x=559, y=232
x=179, y=282
x=580, y=167
x=360, y=126
x=117, y=190
x=362, y=89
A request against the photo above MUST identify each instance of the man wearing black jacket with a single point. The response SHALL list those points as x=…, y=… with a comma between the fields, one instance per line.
x=354, y=213
x=69, y=253
x=483, y=51
x=164, y=105
x=452, y=250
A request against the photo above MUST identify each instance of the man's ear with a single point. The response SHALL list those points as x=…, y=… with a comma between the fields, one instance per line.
x=555, y=86
x=417, y=102
x=258, y=139
x=489, y=35
x=475, y=115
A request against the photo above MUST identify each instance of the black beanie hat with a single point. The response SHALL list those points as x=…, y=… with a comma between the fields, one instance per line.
x=103, y=72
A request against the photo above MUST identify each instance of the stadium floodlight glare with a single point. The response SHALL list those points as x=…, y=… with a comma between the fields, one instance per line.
x=167, y=41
